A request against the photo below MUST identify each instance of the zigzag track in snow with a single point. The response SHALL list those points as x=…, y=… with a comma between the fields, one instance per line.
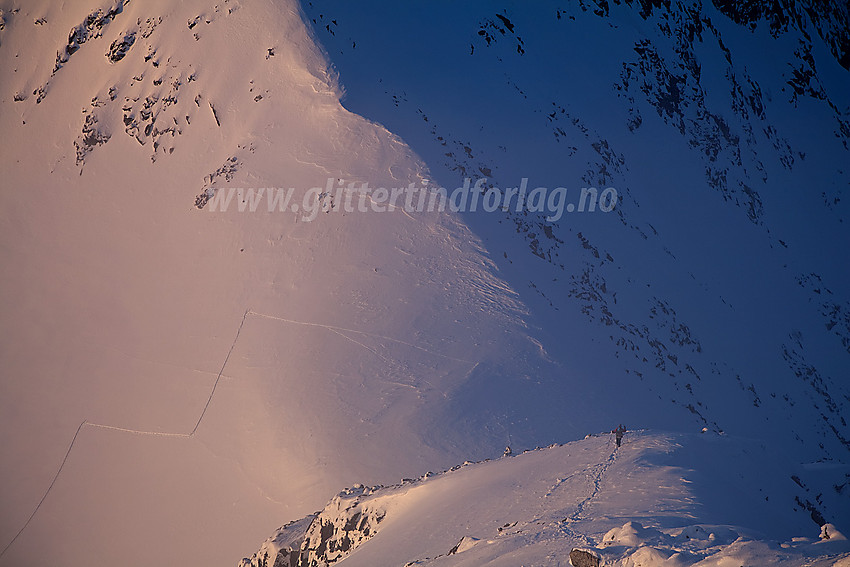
x=86, y=423
x=341, y=331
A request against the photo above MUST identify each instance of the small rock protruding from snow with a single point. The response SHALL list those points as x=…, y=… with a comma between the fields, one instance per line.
x=119, y=48
x=465, y=543
x=583, y=558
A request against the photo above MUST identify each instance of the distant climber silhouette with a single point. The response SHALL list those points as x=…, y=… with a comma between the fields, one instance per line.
x=619, y=432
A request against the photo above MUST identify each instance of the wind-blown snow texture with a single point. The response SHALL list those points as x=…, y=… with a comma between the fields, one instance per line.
x=190, y=379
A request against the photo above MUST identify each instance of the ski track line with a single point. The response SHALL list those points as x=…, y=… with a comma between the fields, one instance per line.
x=137, y=431
x=387, y=361
x=220, y=372
x=343, y=329
x=370, y=349
x=46, y=492
x=130, y=431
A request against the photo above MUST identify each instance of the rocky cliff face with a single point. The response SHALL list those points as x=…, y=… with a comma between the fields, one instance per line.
x=348, y=520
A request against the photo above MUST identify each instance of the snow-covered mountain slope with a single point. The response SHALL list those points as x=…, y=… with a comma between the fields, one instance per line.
x=660, y=499
x=716, y=293
x=178, y=374
x=178, y=379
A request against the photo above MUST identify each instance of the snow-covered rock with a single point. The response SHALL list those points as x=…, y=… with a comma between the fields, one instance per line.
x=324, y=538
x=828, y=532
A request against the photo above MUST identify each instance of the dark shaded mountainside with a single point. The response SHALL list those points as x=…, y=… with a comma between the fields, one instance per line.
x=718, y=286
x=831, y=20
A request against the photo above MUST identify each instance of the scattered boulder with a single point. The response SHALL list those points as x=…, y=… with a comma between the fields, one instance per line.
x=90, y=28
x=583, y=558
x=120, y=47
x=90, y=137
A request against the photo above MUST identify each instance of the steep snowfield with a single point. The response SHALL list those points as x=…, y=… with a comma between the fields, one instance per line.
x=630, y=506
x=318, y=353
